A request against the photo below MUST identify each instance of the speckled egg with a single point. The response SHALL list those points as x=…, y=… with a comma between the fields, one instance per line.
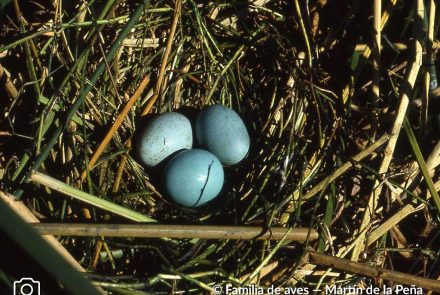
x=162, y=136
x=221, y=130
x=194, y=177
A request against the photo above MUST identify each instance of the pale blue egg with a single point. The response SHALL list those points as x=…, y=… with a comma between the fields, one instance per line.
x=163, y=136
x=221, y=130
x=193, y=177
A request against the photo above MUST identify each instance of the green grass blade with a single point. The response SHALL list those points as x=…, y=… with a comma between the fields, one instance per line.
x=88, y=198
x=42, y=253
x=419, y=157
x=74, y=108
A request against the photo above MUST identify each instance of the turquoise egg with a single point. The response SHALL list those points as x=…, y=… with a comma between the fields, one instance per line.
x=163, y=136
x=221, y=130
x=193, y=177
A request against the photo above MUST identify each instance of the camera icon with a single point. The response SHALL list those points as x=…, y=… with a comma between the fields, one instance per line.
x=27, y=286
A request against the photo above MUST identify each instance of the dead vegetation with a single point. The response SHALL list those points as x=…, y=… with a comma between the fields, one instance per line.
x=340, y=99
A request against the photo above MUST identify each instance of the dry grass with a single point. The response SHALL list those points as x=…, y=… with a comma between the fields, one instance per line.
x=318, y=105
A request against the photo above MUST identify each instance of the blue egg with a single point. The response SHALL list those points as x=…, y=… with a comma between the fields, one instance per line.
x=221, y=130
x=193, y=177
x=163, y=136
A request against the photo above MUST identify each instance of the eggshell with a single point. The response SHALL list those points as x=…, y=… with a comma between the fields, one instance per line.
x=221, y=130
x=193, y=177
x=162, y=136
